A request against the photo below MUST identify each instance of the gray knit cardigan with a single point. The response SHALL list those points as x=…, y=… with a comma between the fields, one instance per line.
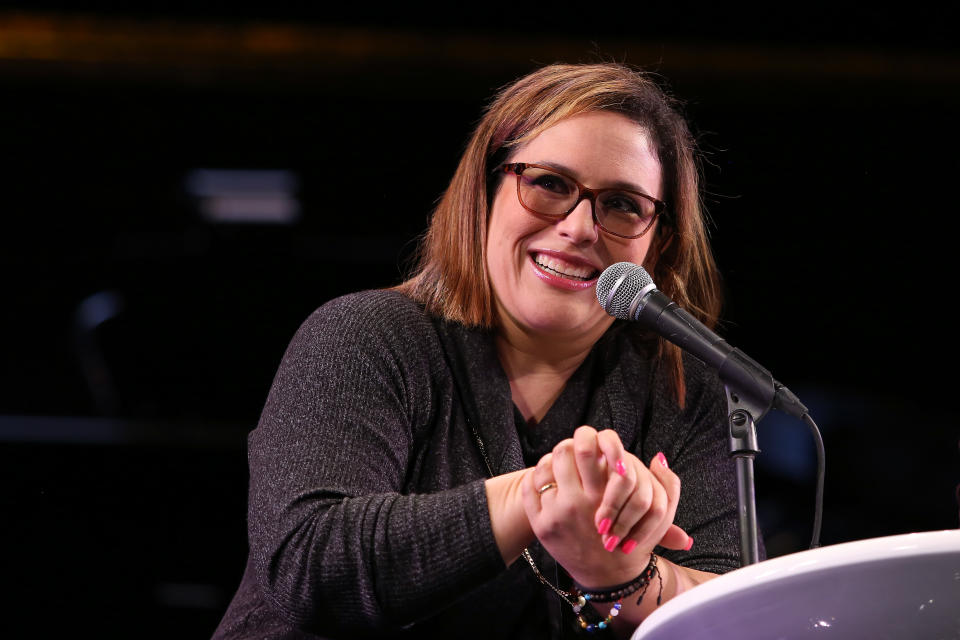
x=367, y=511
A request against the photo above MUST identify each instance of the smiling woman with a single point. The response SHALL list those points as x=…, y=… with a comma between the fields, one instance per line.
x=542, y=268
x=452, y=277
x=417, y=443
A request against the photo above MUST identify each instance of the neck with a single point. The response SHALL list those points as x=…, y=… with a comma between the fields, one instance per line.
x=538, y=365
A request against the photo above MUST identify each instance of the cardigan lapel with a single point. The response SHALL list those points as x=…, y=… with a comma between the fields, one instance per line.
x=619, y=377
x=484, y=393
x=621, y=389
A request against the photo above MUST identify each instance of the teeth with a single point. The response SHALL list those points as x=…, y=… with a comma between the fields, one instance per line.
x=563, y=268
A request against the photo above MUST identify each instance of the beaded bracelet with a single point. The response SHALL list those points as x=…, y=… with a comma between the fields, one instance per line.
x=641, y=583
x=575, y=599
x=603, y=624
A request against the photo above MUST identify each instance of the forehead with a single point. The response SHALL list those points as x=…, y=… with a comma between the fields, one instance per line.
x=600, y=148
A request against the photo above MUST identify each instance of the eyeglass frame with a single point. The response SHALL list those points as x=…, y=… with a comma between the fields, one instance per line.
x=584, y=193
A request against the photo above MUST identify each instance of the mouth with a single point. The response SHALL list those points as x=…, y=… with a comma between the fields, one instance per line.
x=566, y=269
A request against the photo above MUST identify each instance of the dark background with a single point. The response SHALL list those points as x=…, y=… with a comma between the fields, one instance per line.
x=830, y=144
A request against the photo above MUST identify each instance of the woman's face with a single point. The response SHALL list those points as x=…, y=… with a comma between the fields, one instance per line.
x=543, y=271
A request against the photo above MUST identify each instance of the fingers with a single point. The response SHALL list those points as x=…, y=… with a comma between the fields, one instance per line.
x=591, y=463
x=621, y=483
x=640, y=504
x=534, y=486
x=643, y=515
x=636, y=503
x=676, y=538
x=543, y=475
x=577, y=461
x=565, y=471
x=655, y=525
x=613, y=452
x=668, y=479
x=553, y=496
x=534, y=481
x=640, y=510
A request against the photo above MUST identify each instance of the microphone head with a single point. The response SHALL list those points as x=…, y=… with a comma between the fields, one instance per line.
x=618, y=285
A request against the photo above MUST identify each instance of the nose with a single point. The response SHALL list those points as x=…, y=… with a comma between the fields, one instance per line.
x=578, y=226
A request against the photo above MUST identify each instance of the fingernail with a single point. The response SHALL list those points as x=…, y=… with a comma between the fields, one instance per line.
x=629, y=546
x=689, y=545
x=663, y=460
x=612, y=543
x=604, y=526
x=622, y=470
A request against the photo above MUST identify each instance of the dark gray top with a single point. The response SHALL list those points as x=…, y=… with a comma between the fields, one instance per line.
x=367, y=511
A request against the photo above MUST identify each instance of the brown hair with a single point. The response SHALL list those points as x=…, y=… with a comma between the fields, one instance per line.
x=450, y=277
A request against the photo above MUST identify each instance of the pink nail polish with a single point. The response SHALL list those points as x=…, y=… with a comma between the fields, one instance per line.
x=629, y=546
x=689, y=545
x=604, y=526
x=622, y=470
x=663, y=460
x=612, y=543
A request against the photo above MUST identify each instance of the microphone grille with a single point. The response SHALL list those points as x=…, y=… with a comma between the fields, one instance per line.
x=618, y=285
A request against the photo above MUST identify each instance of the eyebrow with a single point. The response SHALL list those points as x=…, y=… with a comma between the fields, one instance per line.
x=626, y=186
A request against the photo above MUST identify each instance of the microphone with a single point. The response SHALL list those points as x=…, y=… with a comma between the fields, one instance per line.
x=626, y=291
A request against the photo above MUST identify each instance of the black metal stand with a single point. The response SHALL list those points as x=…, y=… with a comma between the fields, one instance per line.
x=743, y=447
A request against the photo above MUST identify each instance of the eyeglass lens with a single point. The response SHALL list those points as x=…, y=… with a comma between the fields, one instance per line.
x=552, y=194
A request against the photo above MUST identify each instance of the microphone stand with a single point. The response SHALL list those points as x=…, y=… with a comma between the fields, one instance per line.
x=751, y=390
x=744, y=448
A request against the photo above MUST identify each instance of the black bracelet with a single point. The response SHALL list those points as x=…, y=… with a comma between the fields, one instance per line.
x=640, y=583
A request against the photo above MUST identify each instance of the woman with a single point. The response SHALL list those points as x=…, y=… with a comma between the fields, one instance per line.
x=415, y=442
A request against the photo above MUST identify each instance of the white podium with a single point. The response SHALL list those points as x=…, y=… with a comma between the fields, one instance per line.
x=904, y=587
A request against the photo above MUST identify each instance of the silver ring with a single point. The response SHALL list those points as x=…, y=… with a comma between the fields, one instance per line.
x=547, y=487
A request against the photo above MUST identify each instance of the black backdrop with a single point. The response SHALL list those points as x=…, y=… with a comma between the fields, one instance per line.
x=830, y=146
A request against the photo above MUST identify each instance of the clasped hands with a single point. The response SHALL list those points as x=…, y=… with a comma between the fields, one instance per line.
x=599, y=510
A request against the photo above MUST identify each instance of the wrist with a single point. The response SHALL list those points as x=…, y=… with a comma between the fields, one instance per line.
x=614, y=593
x=508, y=520
x=615, y=568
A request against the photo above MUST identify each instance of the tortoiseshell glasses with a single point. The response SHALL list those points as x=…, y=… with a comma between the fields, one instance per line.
x=549, y=193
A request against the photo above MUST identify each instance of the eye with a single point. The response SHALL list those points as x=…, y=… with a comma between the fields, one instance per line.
x=622, y=203
x=550, y=182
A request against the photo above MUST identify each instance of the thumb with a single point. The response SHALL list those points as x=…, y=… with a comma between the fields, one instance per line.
x=676, y=538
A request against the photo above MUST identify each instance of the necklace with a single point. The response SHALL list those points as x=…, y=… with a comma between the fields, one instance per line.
x=567, y=596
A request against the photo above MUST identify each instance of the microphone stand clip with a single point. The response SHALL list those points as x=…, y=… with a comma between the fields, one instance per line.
x=744, y=448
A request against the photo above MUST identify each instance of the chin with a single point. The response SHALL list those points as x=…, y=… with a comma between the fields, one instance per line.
x=563, y=320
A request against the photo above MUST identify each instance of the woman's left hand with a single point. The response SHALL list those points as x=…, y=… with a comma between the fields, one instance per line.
x=606, y=511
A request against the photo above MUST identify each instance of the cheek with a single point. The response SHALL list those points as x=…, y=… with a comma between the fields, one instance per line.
x=641, y=252
x=655, y=249
x=500, y=244
x=508, y=229
x=635, y=251
x=496, y=221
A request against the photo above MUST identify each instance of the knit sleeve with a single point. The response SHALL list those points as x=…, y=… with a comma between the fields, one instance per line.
x=694, y=439
x=337, y=547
